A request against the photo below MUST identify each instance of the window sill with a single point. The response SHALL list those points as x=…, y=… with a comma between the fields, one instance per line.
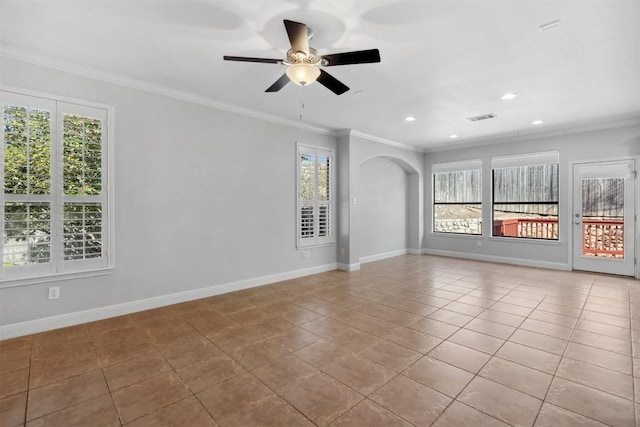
x=525, y=240
x=314, y=245
x=55, y=277
x=457, y=235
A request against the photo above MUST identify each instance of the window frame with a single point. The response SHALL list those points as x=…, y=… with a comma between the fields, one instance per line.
x=461, y=166
x=59, y=268
x=526, y=160
x=316, y=240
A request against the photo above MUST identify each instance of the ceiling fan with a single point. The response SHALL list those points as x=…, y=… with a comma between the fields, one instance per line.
x=303, y=62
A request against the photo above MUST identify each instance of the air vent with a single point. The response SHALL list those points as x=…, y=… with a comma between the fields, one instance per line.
x=482, y=117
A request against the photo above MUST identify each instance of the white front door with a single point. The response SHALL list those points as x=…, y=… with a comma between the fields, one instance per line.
x=603, y=217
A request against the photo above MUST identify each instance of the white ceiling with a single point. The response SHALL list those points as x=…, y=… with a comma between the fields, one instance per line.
x=442, y=60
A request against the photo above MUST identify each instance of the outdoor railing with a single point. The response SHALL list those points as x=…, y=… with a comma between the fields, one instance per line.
x=600, y=236
x=536, y=228
x=603, y=236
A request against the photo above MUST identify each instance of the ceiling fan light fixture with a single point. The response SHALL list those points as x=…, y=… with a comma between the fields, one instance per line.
x=303, y=74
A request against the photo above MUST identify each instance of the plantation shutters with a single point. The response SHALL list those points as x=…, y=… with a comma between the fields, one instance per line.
x=315, y=196
x=54, y=187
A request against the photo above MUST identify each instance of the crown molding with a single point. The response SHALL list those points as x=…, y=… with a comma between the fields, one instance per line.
x=484, y=141
x=372, y=138
x=93, y=73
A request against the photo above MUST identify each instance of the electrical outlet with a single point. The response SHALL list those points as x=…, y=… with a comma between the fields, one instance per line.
x=54, y=292
x=306, y=254
x=341, y=251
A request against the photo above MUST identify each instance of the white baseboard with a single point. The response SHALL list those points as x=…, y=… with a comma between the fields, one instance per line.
x=503, y=260
x=385, y=255
x=349, y=267
x=69, y=319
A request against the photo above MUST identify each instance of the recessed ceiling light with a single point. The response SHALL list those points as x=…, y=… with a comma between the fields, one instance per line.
x=410, y=119
x=509, y=95
x=537, y=122
x=453, y=136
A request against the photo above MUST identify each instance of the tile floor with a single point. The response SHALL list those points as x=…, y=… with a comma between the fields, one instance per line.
x=412, y=340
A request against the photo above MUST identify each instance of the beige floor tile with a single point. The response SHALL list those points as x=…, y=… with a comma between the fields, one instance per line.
x=604, y=329
x=540, y=341
x=476, y=340
x=189, y=352
x=12, y=410
x=274, y=412
x=555, y=318
x=547, y=328
x=62, y=394
x=98, y=412
x=391, y=355
x=599, y=357
x=187, y=412
x=412, y=401
x=134, y=370
x=367, y=413
x=518, y=377
x=108, y=356
x=592, y=403
x=209, y=372
x=253, y=355
x=438, y=375
x=285, y=373
x=14, y=382
x=529, y=356
x=294, y=339
x=359, y=373
x=382, y=321
x=149, y=395
x=231, y=399
x=499, y=401
x=613, y=382
x=354, y=339
x=321, y=353
x=434, y=327
x=608, y=319
x=602, y=341
x=502, y=317
x=458, y=414
x=488, y=327
x=511, y=309
x=414, y=340
x=554, y=416
x=322, y=399
x=458, y=355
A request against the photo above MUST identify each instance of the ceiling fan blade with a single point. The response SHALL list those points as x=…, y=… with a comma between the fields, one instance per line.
x=247, y=59
x=356, y=57
x=331, y=83
x=298, y=36
x=279, y=84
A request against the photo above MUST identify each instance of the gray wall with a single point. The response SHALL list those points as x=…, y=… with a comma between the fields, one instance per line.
x=593, y=145
x=203, y=197
x=383, y=207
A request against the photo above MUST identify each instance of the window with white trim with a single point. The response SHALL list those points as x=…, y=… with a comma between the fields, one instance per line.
x=315, y=196
x=457, y=197
x=53, y=169
x=526, y=196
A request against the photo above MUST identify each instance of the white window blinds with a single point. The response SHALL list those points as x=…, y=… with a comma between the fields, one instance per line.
x=54, y=200
x=315, y=196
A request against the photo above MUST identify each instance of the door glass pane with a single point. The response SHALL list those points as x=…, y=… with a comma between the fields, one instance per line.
x=603, y=217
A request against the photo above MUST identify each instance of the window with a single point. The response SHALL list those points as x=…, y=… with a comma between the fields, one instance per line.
x=54, y=175
x=315, y=196
x=457, y=197
x=525, y=196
